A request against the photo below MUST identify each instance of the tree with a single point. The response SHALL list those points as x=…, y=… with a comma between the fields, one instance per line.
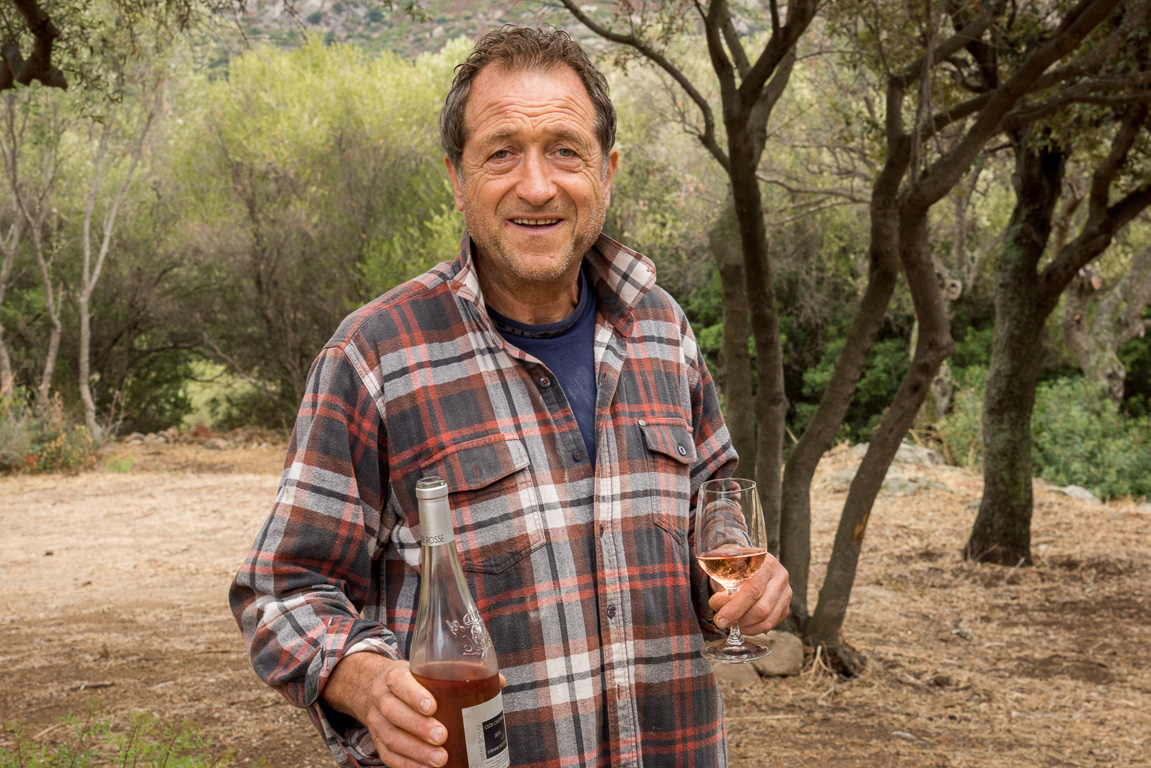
x=32, y=199
x=1026, y=295
x=1095, y=334
x=312, y=181
x=107, y=158
x=996, y=93
x=750, y=82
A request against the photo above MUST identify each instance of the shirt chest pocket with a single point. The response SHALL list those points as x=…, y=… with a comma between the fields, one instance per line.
x=495, y=505
x=671, y=453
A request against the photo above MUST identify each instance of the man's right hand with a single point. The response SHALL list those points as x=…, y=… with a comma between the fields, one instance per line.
x=382, y=694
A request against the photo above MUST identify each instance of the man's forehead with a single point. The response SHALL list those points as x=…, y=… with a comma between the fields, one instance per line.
x=554, y=94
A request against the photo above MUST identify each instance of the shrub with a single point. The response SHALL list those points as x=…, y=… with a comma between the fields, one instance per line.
x=142, y=742
x=1082, y=438
x=41, y=440
x=961, y=433
x=1077, y=437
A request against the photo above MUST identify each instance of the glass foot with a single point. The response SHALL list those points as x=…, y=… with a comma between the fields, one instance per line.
x=726, y=652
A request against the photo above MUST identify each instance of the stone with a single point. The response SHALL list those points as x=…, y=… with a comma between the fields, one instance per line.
x=737, y=674
x=216, y=444
x=908, y=453
x=917, y=454
x=786, y=657
x=1078, y=492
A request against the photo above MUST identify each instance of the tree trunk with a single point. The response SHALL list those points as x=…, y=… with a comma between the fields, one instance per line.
x=7, y=379
x=934, y=346
x=1002, y=530
x=739, y=402
x=85, y=368
x=883, y=271
x=49, y=372
x=770, y=398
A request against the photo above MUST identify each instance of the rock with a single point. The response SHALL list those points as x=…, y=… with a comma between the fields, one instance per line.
x=1144, y=508
x=841, y=480
x=893, y=483
x=216, y=444
x=908, y=453
x=1078, y=492
x=135, y=438
x=786, y=657
x=737, y=674
x=917, y=454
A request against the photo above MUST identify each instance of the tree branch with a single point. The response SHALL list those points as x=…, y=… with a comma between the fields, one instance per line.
x=708, y=137
x=38, y=66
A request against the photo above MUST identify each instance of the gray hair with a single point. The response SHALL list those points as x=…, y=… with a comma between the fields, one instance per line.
x=517, y=49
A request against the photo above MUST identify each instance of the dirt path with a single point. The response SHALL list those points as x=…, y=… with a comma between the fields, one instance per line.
x=114, y=586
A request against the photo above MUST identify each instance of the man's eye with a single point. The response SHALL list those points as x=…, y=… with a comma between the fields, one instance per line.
x=501, y=154
x=566, y=152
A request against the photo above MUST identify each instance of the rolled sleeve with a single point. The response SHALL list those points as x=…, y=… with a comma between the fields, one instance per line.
x=300, y=593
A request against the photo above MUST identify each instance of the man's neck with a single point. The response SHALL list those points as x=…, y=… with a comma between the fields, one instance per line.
x=532, y=303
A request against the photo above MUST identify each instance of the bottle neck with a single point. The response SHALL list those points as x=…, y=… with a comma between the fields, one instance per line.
x=435, y=522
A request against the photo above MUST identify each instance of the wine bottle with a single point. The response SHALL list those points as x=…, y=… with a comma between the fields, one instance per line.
x=451, y=653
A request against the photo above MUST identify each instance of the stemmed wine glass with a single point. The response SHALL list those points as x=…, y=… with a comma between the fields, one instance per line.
x=730, y=545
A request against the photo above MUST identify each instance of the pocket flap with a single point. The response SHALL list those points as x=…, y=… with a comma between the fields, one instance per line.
x=479, y=463
x=672, y=439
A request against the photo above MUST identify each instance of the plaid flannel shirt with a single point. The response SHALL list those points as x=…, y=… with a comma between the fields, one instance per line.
x=595, y=606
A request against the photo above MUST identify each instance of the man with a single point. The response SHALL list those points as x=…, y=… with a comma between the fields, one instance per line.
x=563, y=397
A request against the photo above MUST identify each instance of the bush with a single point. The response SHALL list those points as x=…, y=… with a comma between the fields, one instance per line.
x=961, y=433
x=1082, y=438
x=92, y=740
x=42, y=440
x=1077, y=437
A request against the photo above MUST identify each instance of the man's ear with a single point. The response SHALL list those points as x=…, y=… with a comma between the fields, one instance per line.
x=612, y=166
x=457, y=182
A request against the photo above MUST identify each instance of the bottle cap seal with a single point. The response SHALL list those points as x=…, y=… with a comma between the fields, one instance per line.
x=435, y=515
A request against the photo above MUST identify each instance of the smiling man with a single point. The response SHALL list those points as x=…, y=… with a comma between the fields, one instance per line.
x=563, y=397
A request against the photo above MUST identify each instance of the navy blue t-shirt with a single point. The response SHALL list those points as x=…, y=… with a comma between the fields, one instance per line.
x=567, y=348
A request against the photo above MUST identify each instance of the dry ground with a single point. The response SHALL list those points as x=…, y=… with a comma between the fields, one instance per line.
x=114, y=586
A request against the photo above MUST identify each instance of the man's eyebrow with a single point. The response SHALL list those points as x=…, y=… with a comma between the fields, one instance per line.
x=563, y=133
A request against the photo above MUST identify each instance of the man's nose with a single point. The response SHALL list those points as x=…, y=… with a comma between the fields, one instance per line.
x=535, y=186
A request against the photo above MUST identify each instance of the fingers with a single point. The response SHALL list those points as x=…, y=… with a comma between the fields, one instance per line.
x=405, y=734
x=761, y=602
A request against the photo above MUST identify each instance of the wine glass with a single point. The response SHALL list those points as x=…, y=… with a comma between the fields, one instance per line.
x=730, y=545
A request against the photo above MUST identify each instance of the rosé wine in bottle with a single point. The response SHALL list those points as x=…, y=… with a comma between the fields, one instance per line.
x=451, y=653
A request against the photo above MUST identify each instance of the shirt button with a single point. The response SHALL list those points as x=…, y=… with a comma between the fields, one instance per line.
x=545, y=381
x=682, y=450
x=577, y=456
x=611, y=611
x=642, y=423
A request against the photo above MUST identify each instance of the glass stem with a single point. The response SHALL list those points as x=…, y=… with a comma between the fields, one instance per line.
x=734, y=636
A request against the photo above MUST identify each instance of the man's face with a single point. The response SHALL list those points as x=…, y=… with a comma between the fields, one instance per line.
x=532, y=183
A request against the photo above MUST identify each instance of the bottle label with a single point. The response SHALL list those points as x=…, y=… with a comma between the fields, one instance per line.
x=485, y=736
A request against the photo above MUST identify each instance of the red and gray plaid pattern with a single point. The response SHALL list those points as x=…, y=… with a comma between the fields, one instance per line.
x=594, y=603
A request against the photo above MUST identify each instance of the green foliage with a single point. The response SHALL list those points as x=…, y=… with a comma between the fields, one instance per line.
x=42, y=439
x=1078, y=437
x=1081, y=438
x=93, y=739
x=886, y=366
x=961, y=431
x=1136, y=357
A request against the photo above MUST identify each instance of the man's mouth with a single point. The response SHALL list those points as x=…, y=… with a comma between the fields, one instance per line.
x=535, y=222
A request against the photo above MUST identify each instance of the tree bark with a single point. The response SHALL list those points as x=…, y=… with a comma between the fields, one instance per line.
x=739, y=401
x=1002, y=530
x=883, y=272
x=1115, y=321
x=934, y=346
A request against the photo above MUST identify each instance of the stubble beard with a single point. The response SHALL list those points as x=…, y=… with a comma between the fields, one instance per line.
x=533, y=277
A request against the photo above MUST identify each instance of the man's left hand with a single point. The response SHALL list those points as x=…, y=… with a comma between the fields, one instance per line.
x=761, y=603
